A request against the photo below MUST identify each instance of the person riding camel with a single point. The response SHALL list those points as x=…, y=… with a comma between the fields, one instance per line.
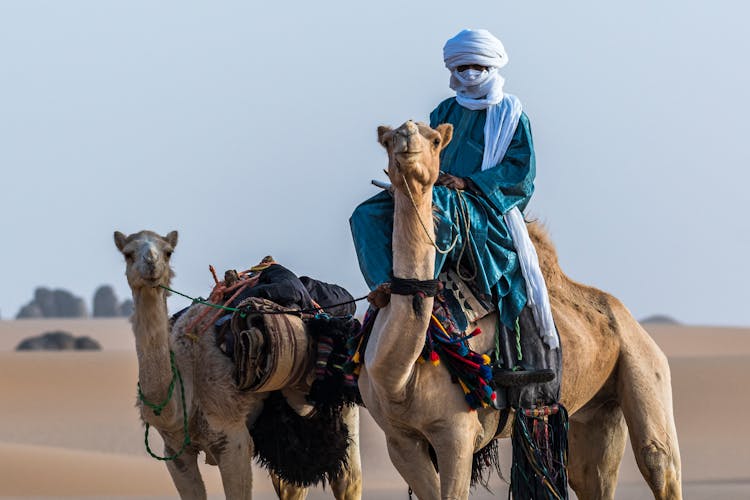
x=486, y=181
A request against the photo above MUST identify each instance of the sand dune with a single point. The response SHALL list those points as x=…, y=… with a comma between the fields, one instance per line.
x=70, y=428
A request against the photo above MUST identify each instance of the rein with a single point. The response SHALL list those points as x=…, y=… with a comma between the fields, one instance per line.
x=159, y=407
x=424, y=227
x=467, y=228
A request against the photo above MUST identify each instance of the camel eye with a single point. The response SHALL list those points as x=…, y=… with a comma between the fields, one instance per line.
x=168, y=253
x=436, y=142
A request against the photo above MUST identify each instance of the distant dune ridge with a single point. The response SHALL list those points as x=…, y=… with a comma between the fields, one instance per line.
x=70, y=426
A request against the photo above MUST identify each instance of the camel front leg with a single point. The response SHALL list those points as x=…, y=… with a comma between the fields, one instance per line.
x=411, y=457
x=348, y=486
x=233, y=449
x=184, y=469
x=454, y=448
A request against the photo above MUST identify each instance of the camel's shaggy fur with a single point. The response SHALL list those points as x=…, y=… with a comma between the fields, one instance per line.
x=218, y=412
x=615, y=378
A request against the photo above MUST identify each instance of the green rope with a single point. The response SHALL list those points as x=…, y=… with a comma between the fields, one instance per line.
x=243, y=311
x=158, y=408
x=201, y=300
x=518, y=340
x=497, y=342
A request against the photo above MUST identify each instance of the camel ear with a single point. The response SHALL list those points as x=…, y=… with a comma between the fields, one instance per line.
x=120, y=240
x=172, y=238
x=383, y=131
x=446, y=133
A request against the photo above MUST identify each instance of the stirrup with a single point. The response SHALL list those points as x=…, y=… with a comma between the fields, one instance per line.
x=519, y=378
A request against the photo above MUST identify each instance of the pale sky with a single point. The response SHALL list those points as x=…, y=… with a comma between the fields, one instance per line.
x=250, y=128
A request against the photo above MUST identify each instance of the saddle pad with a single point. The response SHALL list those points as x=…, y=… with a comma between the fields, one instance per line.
x=473, y=308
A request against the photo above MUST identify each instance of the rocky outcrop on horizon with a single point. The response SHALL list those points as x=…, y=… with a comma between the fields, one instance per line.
x=61, y=303
x=53, y=304
x=106, y=304
x=661, y=319
x=58, y=341
x=126, y=308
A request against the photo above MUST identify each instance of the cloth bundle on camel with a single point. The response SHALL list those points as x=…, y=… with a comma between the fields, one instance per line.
x=271, y=349
x=276, y=347
x=279, y=336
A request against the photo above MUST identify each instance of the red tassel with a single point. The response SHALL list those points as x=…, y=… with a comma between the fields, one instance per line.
x=434, y=358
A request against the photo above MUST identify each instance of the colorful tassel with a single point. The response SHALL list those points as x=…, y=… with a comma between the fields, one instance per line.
x=434, y=358
x=540, y=453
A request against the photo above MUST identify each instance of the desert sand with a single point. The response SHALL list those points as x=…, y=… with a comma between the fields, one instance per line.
x=69, y=427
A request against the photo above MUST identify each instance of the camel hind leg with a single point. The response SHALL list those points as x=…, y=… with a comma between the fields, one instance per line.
x=645, y=393
x=348, y=486
x=596, y=443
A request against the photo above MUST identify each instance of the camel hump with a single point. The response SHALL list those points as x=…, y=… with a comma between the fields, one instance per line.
x=547, y=254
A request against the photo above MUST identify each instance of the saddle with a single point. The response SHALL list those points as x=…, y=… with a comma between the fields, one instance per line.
x=525, y=370
x=524, y=364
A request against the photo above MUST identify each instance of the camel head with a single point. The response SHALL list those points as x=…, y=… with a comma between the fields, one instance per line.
x=147, y=257
x=414, y=153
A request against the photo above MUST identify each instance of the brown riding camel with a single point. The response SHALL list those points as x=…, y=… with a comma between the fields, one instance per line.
x=614, y=379
x=216, y=411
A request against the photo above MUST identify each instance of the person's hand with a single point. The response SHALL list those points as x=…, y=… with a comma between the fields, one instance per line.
x=451, y=181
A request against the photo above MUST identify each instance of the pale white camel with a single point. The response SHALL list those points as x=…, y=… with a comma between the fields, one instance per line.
x=216, y=412
x=615, y=378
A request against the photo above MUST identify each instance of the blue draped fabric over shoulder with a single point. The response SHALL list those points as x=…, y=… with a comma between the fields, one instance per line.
x=492, y=192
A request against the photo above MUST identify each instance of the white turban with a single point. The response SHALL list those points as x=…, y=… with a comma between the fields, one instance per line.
x=474, y=47
x=482, y=48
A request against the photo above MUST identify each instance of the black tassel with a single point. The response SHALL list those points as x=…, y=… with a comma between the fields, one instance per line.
x=303, y=451
x=540, y=454
x=485, y=461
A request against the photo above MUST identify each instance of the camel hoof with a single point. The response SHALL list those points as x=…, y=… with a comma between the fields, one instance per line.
x=520, y=378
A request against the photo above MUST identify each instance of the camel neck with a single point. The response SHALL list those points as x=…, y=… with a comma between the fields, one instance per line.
x=401, y=338
x=151, y=329
x=413, y=253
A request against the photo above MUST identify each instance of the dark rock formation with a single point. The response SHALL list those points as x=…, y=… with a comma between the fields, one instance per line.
x=660, y=319
x=126, y=308
x=53, y=304
x=58, y=341
x=68, y=305
x=105, y=302
x=87, y=344
x=30, y=310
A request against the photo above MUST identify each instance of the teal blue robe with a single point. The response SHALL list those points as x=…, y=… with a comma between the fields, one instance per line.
x=492, y=192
